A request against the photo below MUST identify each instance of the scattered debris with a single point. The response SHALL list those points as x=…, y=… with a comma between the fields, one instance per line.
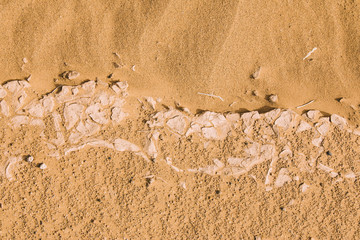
x=305, y=104
x=25, y=60
x=116, y=65
x=133, y=68
x=273, y=98
x=308, y=55
x=211, y=95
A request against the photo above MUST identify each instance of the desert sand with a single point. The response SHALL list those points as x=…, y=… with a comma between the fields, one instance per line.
x=179, y=119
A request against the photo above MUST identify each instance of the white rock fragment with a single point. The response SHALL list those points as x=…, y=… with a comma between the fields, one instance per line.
x=248, y=120
x=95, y=113
x=273, y=98
x=327, y=169
x=209, y=133
x=123, y=85
x=283, y=177
x=303, y=126
x=317, y=141
x=117, y=115
x=286, y=152
x=72, y=114
x=235, y=161
x=271, y=116
x=3, y=92
x=151, y=102
x=323, y=128
x=70, y=75
x=10, y=166
x=338, y=121
x=19, y=120
x=350, y=175
x=48, y=103
x=177, y=124
x=124, y=145
x=313, y=115
x=30, y=159
x=256, y=74
x=304, y=187
x=284, y=120
x=42, y=166
x=4, y=108
x=36, y=110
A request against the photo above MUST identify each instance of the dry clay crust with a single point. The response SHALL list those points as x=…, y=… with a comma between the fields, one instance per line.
x=80, y=113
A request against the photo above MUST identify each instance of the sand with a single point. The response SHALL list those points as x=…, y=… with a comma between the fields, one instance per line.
x=173, y=120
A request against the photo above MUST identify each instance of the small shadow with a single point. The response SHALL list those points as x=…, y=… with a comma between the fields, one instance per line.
x=264, y=109
x=242, y=110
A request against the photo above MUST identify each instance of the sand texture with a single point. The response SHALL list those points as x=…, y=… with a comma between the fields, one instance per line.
x=179, y=119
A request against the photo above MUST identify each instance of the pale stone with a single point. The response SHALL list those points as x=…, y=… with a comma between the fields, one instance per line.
x=72, y=114
x=271, y=116
x=36, y=110
x=303, y=126
x=124, y=145
x=209, y=133
x=3, y=92
x=48, y=103
x=304, y=187
x=4, y=108
x=70, y=75
x=30, y=159
x=323, y=128
x=94, y=111
x=283, y=177
x=42, y=166
x=313, y=114
x=235, y=161
x=317, y=141
x=117, y=115
x=151, y=102
x=284, y=120
x=177, y=124
x=19, y=120
x=338, y=121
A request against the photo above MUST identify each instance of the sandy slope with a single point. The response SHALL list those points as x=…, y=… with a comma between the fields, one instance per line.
x=180, y=49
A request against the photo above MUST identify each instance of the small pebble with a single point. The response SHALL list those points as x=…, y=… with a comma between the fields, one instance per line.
x=29, y=158
x=70, y=75
x=256, y=74
x=273, y=98
x=43, y=166
x=255, y=93
x=328, y=153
